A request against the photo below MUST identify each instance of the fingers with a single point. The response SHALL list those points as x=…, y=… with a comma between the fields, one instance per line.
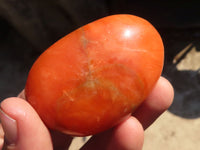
x=129, y=135
x=157, y=102
x=1, y=137
x=60, y=140
x=23, y=127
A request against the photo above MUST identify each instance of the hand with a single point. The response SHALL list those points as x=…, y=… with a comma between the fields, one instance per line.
x=25, y=131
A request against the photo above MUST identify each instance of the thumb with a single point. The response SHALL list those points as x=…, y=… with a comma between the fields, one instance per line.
x=22, y=126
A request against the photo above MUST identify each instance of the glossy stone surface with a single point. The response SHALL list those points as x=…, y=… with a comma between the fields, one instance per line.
x=96, y=76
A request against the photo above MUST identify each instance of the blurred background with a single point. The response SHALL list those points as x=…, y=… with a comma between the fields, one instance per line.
x=28, y=27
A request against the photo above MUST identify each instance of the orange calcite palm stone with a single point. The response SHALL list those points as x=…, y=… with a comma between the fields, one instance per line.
x=96, y=76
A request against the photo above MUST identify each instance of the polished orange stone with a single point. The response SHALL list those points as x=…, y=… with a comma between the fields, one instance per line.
x=96, y=76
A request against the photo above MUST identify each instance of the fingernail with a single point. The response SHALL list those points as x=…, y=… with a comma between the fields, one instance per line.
x=10, y=128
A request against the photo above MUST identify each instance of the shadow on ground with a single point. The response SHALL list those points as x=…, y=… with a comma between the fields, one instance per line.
x=182, y=68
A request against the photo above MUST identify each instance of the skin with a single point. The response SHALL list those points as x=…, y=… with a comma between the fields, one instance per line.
x=129, y=135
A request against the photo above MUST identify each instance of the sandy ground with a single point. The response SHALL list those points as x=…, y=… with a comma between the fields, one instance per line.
x=169, y=132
